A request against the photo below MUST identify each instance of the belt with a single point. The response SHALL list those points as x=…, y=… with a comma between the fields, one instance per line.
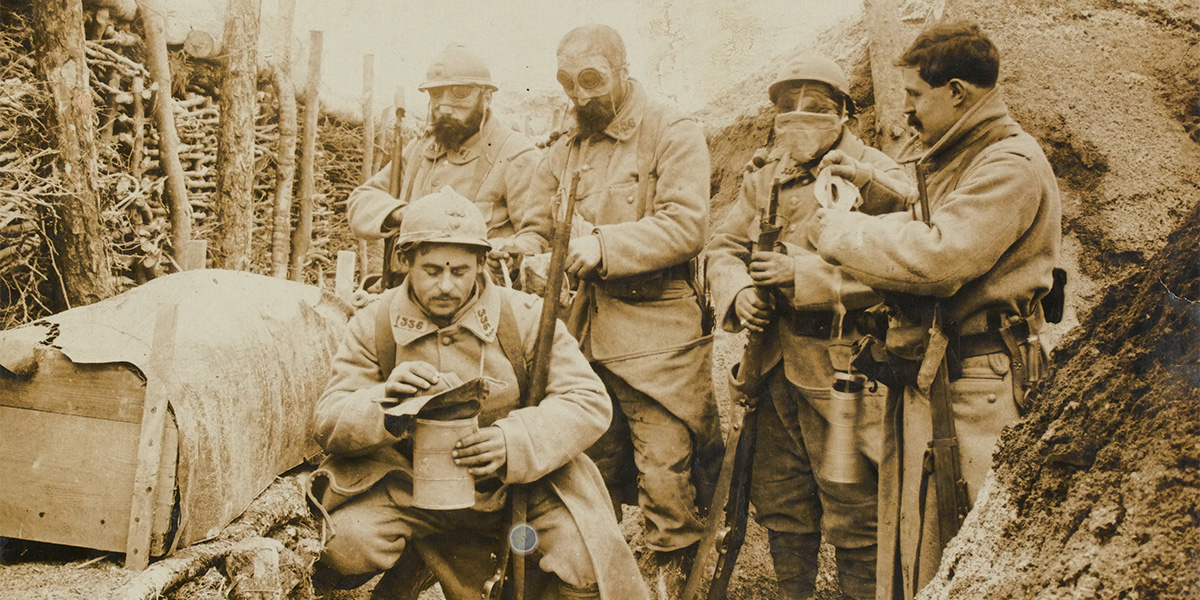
x=986, y=342
x=819, y=323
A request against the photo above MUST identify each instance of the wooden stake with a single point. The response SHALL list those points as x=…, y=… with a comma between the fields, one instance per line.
x=154, y=24
x=154, y=418
x=368, y=158
x=302, y=236
x=343, y=286
x=139, y=128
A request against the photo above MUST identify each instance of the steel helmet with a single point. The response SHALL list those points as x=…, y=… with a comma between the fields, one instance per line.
x=811, y=67
x=444, y=217
x=457, y=65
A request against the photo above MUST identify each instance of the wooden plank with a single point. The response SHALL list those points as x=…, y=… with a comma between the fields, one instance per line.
x=65, y=479
x=343, y=284
x=194, y=255
x=111, y=391
x=149, y=451
x=164, y=505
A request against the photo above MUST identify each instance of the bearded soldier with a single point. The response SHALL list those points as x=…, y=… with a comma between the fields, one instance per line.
x=966, y=272
x=643, y=208
x=446, y=323
x=469, y=149
x=795, y=494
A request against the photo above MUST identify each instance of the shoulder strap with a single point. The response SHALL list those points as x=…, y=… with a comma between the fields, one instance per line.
x=483, y=168
x=647, y=158
x=509, y=337
x=417, y=150
x=385, y=342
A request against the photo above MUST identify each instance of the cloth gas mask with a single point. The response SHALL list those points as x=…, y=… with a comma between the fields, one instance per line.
x=807, y=136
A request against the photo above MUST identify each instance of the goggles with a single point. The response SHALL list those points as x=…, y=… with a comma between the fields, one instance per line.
x=814, y=101
x=458, y=92
x=587, y=79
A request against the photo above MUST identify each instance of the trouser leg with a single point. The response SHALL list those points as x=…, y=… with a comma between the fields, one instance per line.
x=785, y=496
x=856, y=572
x=662, y=451
x=560, y=545
x=613, y=455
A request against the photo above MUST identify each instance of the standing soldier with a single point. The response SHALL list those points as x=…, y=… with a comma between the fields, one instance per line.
x=966, y=273
x=795, y=494
x=447, y=323
x=643, y=201
x=469, y=149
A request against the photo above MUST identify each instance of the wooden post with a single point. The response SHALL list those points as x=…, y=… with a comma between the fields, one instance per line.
x=78, y=234
x=193, y=255
x=368, y=158
x=154, y=24
x=888, y=34
x=301, y=238
x=154, y=418
x=285, y=167
x=139, y=129
x=110, y=111
x=234, y=197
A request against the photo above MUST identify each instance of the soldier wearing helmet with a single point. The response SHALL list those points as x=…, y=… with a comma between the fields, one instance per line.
x=467, y=148
x=812, y=315
x=447, y=323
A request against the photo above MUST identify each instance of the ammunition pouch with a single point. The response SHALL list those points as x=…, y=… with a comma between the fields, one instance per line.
x=872, y=359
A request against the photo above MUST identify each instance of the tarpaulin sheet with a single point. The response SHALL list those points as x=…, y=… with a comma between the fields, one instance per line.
x=252, y=355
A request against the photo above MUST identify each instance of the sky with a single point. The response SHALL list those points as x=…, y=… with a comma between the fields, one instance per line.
x=687, y=50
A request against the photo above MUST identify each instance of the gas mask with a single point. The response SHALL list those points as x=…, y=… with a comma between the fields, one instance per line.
x=807, y=136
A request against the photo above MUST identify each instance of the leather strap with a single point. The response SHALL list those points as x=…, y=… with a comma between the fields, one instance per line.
x=385, y=342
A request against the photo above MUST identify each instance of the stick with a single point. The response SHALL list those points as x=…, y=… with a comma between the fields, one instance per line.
x=312, y=105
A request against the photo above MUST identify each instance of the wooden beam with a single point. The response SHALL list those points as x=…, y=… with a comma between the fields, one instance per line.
x=149, y=453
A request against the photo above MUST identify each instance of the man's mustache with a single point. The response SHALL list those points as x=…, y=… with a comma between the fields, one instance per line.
x=915, y=123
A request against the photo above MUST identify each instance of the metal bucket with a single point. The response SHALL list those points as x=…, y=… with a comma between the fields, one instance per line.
x=438, y=483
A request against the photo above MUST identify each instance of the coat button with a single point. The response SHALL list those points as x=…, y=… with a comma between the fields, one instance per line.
x=991, y=398
x=447, y=340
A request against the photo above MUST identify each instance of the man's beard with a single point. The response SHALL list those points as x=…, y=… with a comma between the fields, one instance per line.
x=594, y=117
x=450, y=133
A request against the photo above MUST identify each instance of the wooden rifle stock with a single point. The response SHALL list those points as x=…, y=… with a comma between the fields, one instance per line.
x=730, y=508
x=395, y=180
x=539, y=375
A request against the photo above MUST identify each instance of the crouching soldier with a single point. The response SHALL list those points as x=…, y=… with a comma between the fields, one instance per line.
x=447, y=322
x=811, y=316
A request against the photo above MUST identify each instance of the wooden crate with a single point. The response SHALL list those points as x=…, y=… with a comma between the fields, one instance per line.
x=69, y=440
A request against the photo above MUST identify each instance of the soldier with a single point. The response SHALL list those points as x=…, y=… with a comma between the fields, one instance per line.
x=795, y=497
x=643, y=208
x=966, y=279
x=469, y=149
x=450, y=322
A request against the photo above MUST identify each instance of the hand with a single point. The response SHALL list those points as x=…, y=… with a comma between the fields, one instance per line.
x=411, y=377
x=583, y=255
x=482, y=452
x=392, y=220
x=500, y=257
x=771, y=268
x=847, y=168
x=754, y=313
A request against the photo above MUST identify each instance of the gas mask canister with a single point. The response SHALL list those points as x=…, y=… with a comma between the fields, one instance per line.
x=807, y=136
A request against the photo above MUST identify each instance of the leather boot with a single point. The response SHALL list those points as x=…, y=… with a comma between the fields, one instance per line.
x=405, y=580
x=856, y=571
x=795, y=558
x=567, y=591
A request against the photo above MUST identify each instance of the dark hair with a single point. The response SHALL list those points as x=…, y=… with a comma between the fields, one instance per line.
x=953, y=50
x=601, y=39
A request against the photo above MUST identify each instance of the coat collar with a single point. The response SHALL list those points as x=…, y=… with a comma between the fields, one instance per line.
x=483, y=142
x=480, y=315
x=990, y=110
x=628, y=118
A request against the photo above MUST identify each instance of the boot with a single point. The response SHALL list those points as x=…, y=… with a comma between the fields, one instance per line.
x=405, y=580
x=669, y=571
x=795, y=558
x=567, y=591
x=856, y=571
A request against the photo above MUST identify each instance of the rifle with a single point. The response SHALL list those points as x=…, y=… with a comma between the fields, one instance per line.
x=724, y=534
x=941, y=458
x=390, y=277
x=493, y=588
